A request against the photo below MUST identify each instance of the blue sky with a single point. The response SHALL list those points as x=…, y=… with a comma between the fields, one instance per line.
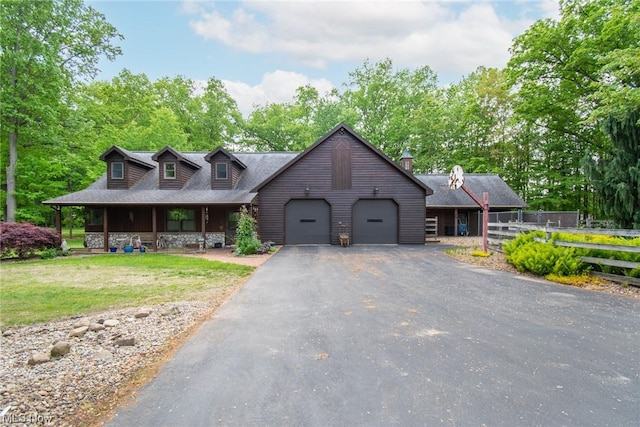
x=263, y=50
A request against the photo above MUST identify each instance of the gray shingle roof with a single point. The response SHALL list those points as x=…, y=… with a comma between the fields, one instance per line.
x=500, y=194
x=197, y=190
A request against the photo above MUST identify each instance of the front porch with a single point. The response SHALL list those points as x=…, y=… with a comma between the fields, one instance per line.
x=163, y=240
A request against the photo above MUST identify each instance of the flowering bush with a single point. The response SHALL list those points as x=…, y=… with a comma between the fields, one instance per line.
x=23, y=239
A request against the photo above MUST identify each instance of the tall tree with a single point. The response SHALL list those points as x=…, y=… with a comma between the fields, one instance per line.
x=617, y=174
x=561, y=69
x=296, y=125
x=45, y=46
x=221, y=120
x=385, y=100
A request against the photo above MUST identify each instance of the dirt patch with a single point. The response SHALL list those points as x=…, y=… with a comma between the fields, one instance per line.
x=227, y=255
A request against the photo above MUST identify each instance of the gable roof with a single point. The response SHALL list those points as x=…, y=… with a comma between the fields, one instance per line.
x=128, y=155
x=230, y=156
x=196, y=191
x=500, y=194
x=177, y=155
x=360, y=139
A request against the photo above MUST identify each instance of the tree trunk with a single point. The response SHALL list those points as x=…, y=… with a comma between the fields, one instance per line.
x=11, y=176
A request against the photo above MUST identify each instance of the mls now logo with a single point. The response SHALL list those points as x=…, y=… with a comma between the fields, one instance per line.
x=6, y=418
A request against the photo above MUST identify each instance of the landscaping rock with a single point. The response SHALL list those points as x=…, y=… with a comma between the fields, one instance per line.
x=110, y=323
x=96, y=327
x=170, y=311
x=81, y=322
x=103, y=355
x=79, y=332
x=7, y=333
x=60, y=349
x=38, y=358
x=142, y=312
x=93, y=371
x=125, y=342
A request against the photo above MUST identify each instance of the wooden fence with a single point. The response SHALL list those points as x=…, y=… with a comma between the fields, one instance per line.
x=500, y=232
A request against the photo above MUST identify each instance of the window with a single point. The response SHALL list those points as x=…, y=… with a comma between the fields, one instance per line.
x=221, y=171
x=93, y=216
x=117, y=170
x=181, y=220
x=169, y=171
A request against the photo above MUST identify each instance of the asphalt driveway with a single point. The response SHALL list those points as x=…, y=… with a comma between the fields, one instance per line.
x=401, y=335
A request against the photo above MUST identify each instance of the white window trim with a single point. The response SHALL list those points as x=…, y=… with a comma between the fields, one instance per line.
x=226, y=167
x=175, y=170
x=113, y=176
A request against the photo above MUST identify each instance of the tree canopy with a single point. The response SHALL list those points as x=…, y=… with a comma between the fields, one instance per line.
x=559, y=123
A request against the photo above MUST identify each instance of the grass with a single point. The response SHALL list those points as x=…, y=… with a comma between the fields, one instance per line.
x=42, y=290
x=77, y=241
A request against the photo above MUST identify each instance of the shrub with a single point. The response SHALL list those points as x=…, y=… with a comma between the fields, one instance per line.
x=603, y=253
x=246, y=241
x=525, y=254
x=24, y=239
x=481, y=254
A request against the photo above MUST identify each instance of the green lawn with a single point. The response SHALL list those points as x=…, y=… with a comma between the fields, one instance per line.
x=75, y=238
x=41, y=290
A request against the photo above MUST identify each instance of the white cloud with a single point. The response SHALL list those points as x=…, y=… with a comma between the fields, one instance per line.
x=413, y=33
x=275, y=87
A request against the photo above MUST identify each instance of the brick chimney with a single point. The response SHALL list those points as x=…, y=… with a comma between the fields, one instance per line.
x=406, y=161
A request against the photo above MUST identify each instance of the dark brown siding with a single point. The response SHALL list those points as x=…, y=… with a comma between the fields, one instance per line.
x=368, y=170
x=116, y=184
x=221, y=184
x=342, y=166
x=134, y=173
x=168, y=184
x=235, y=174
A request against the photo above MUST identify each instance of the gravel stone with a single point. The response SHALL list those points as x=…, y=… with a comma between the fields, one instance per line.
x=92, y=371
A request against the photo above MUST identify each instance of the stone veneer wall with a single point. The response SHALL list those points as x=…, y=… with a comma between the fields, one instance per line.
x=171, y=240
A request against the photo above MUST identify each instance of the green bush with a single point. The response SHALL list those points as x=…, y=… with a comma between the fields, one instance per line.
x=23, y=240
x=246, y=241
x=525, y=254
x=603, y=253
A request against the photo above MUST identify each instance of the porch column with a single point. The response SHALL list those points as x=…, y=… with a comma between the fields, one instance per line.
x=154, y=228
x=203, y=223
x=455, y=222
x=105, y=229
x=59, y=220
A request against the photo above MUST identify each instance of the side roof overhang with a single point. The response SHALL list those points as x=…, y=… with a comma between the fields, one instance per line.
x=366, y=143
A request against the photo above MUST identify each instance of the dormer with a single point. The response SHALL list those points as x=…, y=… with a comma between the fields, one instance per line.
x=124, y=169
x=225, y=169
x=174, y=169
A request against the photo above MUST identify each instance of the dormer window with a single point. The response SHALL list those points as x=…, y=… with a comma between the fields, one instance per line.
x=169, y=171
x=221, y=171
x=117, y=170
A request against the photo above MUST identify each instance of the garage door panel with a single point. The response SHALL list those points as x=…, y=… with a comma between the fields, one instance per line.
x=307, y=222
x=375, y=221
